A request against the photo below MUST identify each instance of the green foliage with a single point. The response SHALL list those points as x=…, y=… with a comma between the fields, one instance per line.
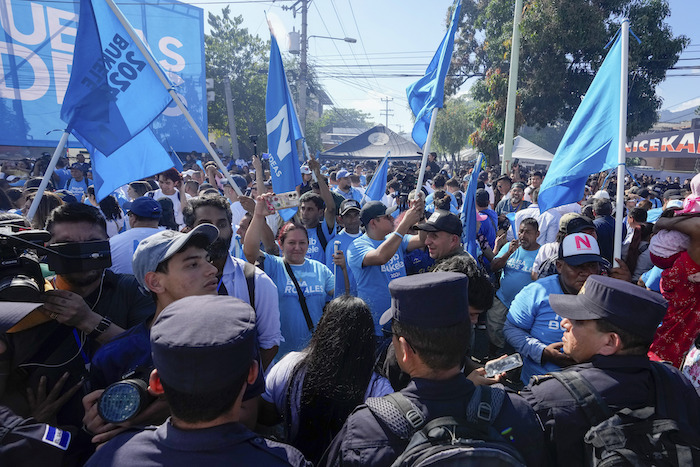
x=561, y=49
x=232, y=51
x=453, y=126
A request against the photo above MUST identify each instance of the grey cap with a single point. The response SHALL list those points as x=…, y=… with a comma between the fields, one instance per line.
x=163, y=245
x=203, y=343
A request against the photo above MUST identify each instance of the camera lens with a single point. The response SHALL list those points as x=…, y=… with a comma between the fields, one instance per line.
x=122, y=400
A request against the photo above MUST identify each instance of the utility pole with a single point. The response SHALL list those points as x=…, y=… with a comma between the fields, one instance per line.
x=303, y=66
x=512, y=89
x=385, y=112
x=231, y=122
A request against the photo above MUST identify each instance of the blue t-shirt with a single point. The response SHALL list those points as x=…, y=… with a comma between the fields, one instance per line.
x=531, y=325
x=77, y=188
x=430, y=204
x=418, y=261
x=652, y=279
x=345, y=240
x=63, y=177
x=316, y=250
x=353, y=193
x=373, y=281
x=316, y=280
x=516, y=273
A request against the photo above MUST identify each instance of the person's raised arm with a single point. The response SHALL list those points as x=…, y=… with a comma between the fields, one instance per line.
x=387, y=249
x=499, y=262
x=325, y=194
x=251, y=243
x=259, y=175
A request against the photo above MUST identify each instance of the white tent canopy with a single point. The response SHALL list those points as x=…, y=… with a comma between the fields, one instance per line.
x=528, y=152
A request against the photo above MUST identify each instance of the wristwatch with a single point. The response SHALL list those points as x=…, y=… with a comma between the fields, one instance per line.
x=100, y=328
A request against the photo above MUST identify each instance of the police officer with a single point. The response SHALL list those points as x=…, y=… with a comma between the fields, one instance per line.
x=25, y=441
x=203, y=350
x=430, y=347
x=609, y=326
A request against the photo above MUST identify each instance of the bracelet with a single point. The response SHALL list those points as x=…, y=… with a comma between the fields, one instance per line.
x=100, y=328
x=397, y=234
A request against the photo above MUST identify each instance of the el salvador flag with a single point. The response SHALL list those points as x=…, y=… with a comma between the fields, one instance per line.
x=113, y=93
x=283, y=129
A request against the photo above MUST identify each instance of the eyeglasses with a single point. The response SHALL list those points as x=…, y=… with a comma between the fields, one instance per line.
x=392, y=333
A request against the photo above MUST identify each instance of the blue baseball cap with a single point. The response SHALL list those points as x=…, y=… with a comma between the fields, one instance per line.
x=626, y=305
x=145, y=206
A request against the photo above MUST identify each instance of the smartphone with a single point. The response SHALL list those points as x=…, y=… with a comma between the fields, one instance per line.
x=496, y=367
x=285, y=200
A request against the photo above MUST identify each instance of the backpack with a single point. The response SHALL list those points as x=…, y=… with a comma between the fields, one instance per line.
x=460, y=441
x=321, y=236
x=633, y=437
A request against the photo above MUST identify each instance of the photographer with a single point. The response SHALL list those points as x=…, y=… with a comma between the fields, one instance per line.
x=88, y=307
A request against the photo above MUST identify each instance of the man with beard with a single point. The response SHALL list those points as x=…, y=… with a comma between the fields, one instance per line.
x=83, y=311
x=231, y=272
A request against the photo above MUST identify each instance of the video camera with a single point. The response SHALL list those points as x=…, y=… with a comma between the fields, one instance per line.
x=125, y=399
x=21, y=278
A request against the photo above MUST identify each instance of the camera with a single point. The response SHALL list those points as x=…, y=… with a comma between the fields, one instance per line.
x=125, y=399
x=253, y=138
x=21, y=250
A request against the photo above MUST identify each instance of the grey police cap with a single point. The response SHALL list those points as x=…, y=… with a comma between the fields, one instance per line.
x=203, y=343
x=163, y=245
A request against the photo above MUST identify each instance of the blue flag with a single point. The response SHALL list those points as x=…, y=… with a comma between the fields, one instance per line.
x=591, y=142
x=113, y=94
x=428, y=92
x=142, y=156
x=283, y=129
x=377, y=186
x=469, y=209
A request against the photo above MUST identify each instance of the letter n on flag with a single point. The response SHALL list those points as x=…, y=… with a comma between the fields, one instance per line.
x=283, y=129
x=113, y=94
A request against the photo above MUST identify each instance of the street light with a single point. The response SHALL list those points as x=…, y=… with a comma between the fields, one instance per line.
x=350, y=40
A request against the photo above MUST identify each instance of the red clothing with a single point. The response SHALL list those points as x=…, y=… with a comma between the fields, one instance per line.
x=682, y=321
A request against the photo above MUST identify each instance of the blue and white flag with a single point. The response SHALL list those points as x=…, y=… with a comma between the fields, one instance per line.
x=283, y=129
x=113, y=94
x=591, y=142
x=428, y=92
x=377, y=186
x=469, y=209
x=142, y=156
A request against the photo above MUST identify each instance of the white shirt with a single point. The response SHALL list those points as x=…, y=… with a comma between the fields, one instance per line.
x=549, y=226
x=267, y=311
x=123, y=246
x=175, y=198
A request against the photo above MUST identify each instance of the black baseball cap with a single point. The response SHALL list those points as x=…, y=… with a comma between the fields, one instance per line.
x=349, y=205
x=578, y=224
x=413, y=300
x=482, y=197
x=194, y=338
x=442, y=221
x=372, y=210
x=626, y=305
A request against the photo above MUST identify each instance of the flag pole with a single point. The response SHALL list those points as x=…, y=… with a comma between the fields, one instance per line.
x=47, y=175
x=163, y=79
x=426, y=151
x=619, y=214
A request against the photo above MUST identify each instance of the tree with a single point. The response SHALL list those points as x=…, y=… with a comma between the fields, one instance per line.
x=334, y=118
x=232, y=51
x=453, y=126
x=561, y=49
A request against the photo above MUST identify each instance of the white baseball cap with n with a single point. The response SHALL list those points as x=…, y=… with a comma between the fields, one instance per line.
x=580, y=248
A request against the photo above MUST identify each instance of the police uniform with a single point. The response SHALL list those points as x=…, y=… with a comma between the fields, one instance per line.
x=623, y=380
x=200, y=345
x=25, y=442
x=365, y=440
x=229, y=444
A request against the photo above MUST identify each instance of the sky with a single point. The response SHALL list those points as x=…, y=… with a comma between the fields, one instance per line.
x=400, y=37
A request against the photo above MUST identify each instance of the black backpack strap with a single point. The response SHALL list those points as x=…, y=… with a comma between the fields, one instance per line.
x=249, y=273
x=485, y=405
x=302, y=300
x=398, y=413
x=585, y=395
x=321, y=236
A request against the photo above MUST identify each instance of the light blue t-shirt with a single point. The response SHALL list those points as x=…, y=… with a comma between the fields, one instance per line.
x=77, y=188
x=353, y=193
x=516, y=273
x=316, y=280
x=373, y=281
x=316, y=250
x=345, y=240
x=531, y=325
x=430, y=203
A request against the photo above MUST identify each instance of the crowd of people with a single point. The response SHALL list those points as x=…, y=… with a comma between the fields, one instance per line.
x=224, y=331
